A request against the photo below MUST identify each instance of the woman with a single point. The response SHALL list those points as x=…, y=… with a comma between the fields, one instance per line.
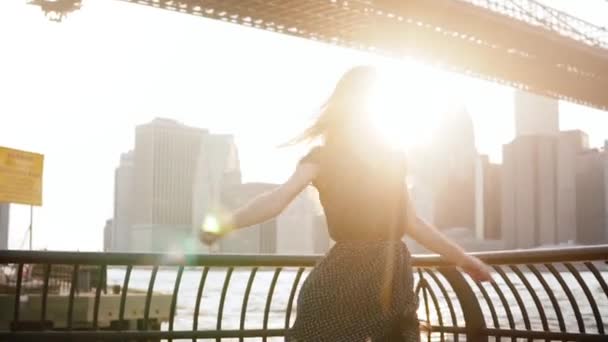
x=363, y=289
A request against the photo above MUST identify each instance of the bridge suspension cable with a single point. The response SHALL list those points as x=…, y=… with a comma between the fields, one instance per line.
x=535, y=13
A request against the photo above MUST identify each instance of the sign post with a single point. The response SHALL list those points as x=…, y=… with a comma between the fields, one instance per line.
x=31, y=225
x=21, y=179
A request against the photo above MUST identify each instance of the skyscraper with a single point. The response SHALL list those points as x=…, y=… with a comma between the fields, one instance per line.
x=453, y=159
x=123, y=203
x=165, y=159
x=217, y=169
x=107, y=236
x=535, y=115
x=570, y=145
x=166, y=153
x=592, y=197
x=487, y=199
x=539, y=176
x=166, y=186
x=529, y=192
x=4, y=223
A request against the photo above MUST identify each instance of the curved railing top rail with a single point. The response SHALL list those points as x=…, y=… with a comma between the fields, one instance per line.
x=548, y=255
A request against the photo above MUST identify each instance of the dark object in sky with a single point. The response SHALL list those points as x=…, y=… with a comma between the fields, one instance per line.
x=57, y=10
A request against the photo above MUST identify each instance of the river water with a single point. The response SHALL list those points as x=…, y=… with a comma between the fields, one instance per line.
x=255, y=310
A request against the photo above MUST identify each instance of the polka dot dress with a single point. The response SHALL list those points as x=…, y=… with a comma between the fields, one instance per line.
x=361, y=291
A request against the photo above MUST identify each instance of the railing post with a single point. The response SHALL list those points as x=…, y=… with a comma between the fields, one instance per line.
x=471, y=310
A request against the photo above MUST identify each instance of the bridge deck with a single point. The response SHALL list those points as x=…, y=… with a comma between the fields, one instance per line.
x=454, y=34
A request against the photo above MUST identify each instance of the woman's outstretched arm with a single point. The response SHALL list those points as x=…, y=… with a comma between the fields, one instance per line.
x=266, y=205
x=271, y=203
x=431, y=238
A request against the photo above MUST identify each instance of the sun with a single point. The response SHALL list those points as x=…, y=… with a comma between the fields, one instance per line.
x=406, y=102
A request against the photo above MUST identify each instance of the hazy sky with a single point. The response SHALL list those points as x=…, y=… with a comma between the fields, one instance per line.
x=75, y=91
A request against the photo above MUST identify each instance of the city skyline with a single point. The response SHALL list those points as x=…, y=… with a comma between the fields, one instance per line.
x=83, y=124
x=543, y=192
x=176, y=176
x=173, y=176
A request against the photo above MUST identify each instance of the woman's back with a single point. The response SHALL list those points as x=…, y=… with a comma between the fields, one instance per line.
x=362, y=194
x=362, y=289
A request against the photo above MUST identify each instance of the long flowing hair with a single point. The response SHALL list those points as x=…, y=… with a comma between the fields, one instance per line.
x=347, y=104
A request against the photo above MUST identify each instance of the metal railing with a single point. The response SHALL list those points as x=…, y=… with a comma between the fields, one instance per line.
x=553, y=294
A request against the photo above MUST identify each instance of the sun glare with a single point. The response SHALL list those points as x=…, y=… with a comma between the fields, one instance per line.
x=406, y=104
x=211, y=225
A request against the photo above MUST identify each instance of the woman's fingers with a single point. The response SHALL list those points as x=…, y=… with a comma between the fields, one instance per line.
x=477, y=269
x=208, y=238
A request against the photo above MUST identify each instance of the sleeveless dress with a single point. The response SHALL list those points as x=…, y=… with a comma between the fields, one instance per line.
x=362, y=290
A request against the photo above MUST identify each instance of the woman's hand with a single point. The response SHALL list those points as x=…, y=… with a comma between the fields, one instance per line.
x=208, y=238
x=476, y=268
x=215, y=228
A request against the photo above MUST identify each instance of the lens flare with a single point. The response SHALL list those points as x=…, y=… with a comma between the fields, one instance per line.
x=211, y=225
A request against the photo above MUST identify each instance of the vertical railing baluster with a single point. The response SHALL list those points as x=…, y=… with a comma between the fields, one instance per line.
x=471, y=310
x=433, y=296
x=418, y=288
x=520, y=302
x=426, y=309
x=73, y=287
x=199, y=296
x=292, y=295
x=149, y=296
x=551, y=295
x=45, y=292
x=220, y=311
x=490, y=303
x=571, y=299
x=423, y=285
x=598, y=277
x=178, y=279
x=100, y=285
x=537, y=303
x=506, y=306
x=18, y=293
x=275, y=277
x=246, y=300
x=448, y=300
x=123, y=297
x=592, y=302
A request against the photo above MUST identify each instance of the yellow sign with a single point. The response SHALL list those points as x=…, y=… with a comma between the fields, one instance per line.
x=20, y=176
